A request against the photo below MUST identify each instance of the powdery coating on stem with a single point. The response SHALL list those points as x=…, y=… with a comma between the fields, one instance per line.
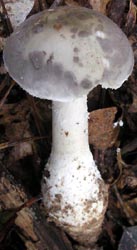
x=75, y=195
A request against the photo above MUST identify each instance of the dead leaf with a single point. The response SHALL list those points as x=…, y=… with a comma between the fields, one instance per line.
x=102, y=132
x=14, y=198
x=8, y=217
x=99, y=5
x=131, y=17
x=127, y=188
x=16, y=120
x=117, y=11
x=133, y=107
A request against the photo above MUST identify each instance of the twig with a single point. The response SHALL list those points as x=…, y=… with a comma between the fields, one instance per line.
x=35, y=114
x=7, y=20
x=120, y=163
x=115, y=220
x=6, y=94
x=5, y=145
x=3, y=83
x=125, y=210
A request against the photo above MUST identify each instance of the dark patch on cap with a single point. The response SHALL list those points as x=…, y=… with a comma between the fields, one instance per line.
x=86, y=84
x=76, y=50
x=69, y=76
x=76, y=59
x=63, y=36
x=38, y=28
x=57, y=69
x=74, y=30
x=50, y=59
x=83, y=33
x=37, y=58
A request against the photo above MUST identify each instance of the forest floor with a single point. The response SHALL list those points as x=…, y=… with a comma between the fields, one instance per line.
x=25, y=145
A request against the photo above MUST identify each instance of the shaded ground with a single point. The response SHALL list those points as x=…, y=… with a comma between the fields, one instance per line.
x=25, y=144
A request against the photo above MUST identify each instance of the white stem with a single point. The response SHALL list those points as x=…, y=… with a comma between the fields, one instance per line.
x=70, y=126
x=75, y=195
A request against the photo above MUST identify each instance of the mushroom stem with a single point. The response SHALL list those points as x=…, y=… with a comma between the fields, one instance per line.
x=74, y=193
x=70, y=127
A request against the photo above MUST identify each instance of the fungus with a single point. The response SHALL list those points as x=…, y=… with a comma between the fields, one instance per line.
x=18, y=10
x=61, y=55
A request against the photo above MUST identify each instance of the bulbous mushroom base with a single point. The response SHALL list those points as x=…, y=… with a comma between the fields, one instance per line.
x=87, y=233
x=74, y=193
x=76, y=198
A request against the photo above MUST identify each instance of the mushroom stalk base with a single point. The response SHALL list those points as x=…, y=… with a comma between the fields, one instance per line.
x=75, y=195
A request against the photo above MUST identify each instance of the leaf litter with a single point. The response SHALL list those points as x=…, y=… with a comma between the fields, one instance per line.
x=25, y=144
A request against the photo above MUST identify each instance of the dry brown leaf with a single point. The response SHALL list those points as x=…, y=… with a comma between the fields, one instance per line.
x=16, y=121
x=99, y=5
x=12, y=112
x=13, y=198
x=117, y=10
x=133, y=106
x=131, y=16
x=102, y=132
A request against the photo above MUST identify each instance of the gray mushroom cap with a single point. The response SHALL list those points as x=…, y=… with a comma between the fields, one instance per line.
x=64, y=53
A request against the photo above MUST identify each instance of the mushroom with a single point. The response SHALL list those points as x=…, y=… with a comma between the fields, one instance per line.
x=61, y=55
x=17, y=10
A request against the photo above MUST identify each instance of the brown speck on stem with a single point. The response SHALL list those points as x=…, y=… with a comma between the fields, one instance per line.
x=58, y=197
x=47, y=173
x=78, y=167
x=66, y=133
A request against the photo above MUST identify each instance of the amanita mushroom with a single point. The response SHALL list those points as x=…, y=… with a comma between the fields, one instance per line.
x=61, y=55
x=18, y=10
